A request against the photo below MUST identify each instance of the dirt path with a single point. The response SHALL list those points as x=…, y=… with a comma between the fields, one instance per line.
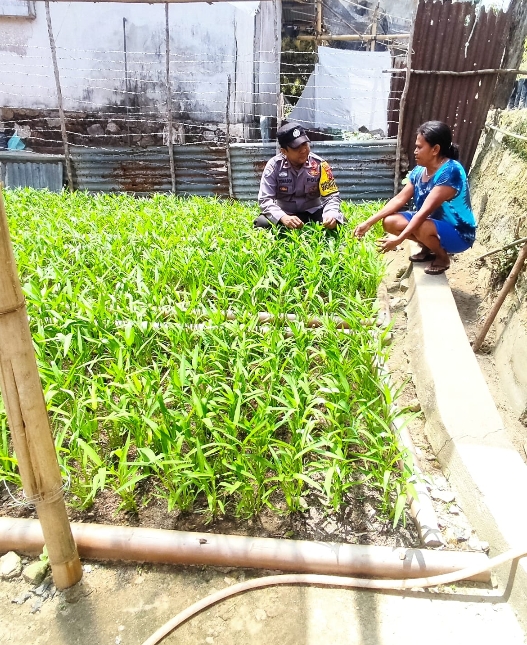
x=466, y=279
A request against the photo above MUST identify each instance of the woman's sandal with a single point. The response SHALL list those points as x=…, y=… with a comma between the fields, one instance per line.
x=422, y=256
x=436, y=270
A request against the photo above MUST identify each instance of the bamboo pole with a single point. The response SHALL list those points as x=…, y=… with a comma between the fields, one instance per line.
x=506, y=133
x=447, y=72
x=277, y=50
x=169, y=102
x=357, y=37
x=402, y=105
x=509, y=283
x=151, y=1
x=28, y=419
x=228, y=137
x=374, y=27
x=522, y=240
x=318, y=27
x=62, y=116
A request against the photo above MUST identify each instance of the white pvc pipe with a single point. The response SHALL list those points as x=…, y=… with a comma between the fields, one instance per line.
x=100, y=542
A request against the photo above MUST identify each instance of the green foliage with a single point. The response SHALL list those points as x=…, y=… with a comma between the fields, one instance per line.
x=144, y=378
x=297, y=62
x=501, y=266
x=515, y=121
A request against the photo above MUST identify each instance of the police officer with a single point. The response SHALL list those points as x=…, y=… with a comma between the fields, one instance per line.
x=297, y=186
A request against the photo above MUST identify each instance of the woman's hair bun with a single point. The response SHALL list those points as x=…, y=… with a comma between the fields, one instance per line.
x=453, y=151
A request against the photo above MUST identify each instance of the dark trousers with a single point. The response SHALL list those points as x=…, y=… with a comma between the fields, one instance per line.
x=307, y=218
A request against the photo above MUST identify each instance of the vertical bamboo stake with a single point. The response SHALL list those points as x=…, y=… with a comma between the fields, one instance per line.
x=277, y=5
x=318, y=26
x=62, y=117
x=169, y=103
x=28, y=419
x=374, y=27
x=228, y=135
x=402, y=105
x=507, y=286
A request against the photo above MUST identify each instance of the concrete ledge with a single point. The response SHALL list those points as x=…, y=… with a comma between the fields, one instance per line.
x=465, y=428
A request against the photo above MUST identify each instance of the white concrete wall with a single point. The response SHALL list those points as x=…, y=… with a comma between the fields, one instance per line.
x=208, y=43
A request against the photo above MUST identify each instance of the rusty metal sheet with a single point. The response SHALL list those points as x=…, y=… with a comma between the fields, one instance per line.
x=363, y=170
x=459, y=37
x=200, y=170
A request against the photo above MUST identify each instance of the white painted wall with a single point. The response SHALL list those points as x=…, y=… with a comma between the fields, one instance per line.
x=208, y=43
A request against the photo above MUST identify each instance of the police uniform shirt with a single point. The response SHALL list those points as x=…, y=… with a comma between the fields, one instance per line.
x=286, y=190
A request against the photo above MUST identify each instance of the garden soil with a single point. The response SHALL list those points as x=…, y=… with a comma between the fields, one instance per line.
x=123, y=603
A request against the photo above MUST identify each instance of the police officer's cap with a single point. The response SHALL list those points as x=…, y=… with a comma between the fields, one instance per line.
x=291, y=135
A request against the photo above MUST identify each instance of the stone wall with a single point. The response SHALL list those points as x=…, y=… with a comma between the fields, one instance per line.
x=111, y=128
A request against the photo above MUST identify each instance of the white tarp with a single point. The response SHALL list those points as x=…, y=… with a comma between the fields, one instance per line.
x=347, y=90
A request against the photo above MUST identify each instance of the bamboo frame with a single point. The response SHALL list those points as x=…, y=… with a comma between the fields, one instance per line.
x=28, y=419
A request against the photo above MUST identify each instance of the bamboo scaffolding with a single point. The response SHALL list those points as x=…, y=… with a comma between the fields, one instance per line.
x=28, y=419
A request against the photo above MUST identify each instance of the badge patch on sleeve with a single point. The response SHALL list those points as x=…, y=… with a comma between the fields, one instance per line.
x=327, y=183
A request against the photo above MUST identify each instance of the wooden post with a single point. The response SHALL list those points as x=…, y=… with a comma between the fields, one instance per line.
x=228, y=136
x=28, y=419
x=62, y=117
x=507, y=286
x=277, y=5
x=374, y=27
x=169, y=103
x=318, y=26
x=402, y=104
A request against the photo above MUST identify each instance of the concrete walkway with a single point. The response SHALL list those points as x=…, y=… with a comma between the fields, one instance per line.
x=465, y=428
x=126, y=603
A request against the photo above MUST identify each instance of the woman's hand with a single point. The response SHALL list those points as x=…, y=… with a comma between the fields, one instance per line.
x=362, y=229
x=388, y=244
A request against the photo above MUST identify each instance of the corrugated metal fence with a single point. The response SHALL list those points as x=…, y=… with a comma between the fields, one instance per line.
x=363, y=170
x=22, y=168
x=453, y=37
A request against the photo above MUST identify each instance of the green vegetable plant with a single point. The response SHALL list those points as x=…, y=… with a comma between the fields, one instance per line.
x=147, y=382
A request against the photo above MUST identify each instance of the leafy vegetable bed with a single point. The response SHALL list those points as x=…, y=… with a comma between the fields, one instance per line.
x=146, y=380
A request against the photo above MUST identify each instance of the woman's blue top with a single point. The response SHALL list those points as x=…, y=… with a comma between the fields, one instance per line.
x=457, y=211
